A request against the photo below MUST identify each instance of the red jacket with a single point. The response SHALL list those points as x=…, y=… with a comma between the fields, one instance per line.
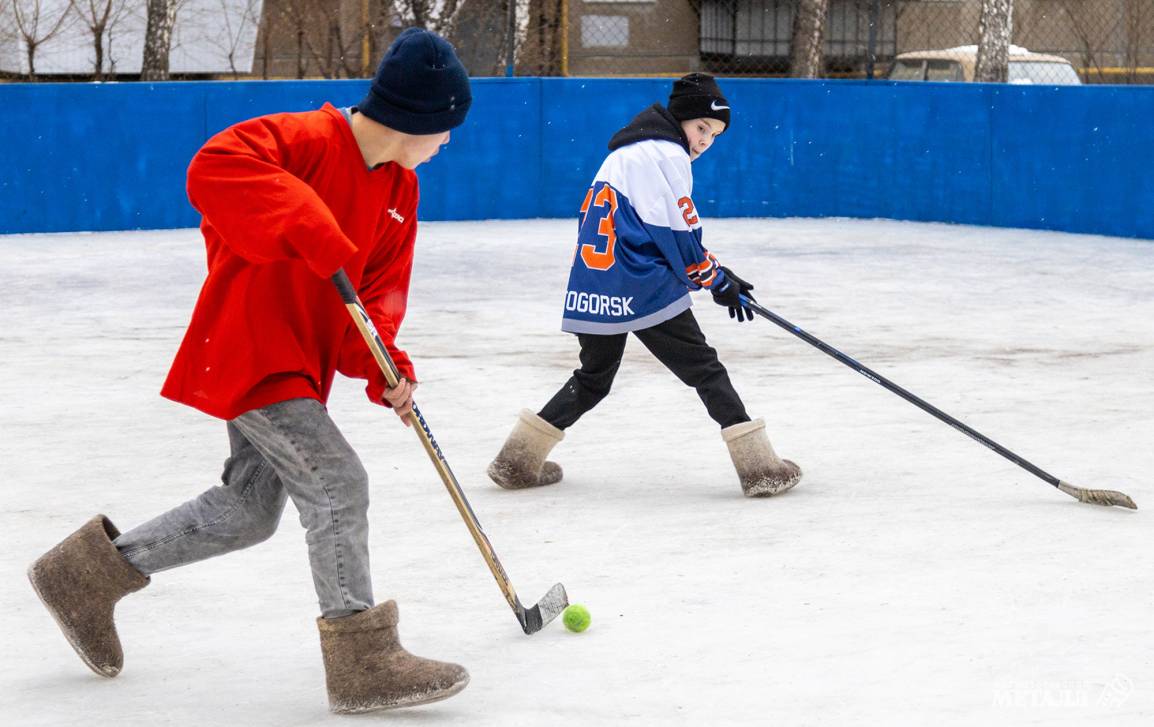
x=286, y=201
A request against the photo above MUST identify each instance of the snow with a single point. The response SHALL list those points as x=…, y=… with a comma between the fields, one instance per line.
x=1013, y=49
x=913, y=576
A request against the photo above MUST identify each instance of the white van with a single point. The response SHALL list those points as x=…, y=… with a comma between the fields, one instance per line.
x=957, y=64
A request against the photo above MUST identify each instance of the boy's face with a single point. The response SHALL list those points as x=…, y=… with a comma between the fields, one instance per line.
x=420, y=148
x=701, y=134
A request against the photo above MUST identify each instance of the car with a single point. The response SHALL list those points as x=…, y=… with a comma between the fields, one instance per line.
x=957, y=65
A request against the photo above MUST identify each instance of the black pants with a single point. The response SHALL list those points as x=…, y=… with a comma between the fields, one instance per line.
x=678, y=343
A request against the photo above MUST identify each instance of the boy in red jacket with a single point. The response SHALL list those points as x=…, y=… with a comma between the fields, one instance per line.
x=287, y=200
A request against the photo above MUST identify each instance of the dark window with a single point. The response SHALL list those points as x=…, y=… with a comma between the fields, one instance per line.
x=754, y=35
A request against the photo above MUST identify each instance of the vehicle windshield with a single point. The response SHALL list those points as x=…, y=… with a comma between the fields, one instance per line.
x=907, y=70
x=940, y=70
x=933, y=69
x=1050, y=74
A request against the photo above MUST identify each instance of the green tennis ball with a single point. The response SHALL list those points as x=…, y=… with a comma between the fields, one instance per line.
x=576, y=618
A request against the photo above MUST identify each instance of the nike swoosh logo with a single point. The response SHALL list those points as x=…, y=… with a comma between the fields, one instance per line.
x=715, y=107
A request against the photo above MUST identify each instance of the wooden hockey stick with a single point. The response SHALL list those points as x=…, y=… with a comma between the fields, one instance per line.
x=1094, y=497
x=554, y=602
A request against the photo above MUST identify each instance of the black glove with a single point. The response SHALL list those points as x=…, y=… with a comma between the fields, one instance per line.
x=728, y=292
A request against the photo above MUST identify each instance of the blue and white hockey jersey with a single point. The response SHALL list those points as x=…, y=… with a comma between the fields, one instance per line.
x=639, y=250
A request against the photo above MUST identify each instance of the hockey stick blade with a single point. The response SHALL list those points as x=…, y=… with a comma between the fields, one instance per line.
x=1097, y=497
x=1092, y=497
x=548, y=608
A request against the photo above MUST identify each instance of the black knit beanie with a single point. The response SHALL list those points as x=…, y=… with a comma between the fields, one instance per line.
x=420, y=87
x=698, y=96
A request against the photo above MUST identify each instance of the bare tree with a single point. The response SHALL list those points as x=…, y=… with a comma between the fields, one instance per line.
x=264, y=40
x=478, y=29
x=158, y=40
x=540, y=53
x=8, y=36
x=329, y=38
x=805, y=47
x=100, y=17
x=332, y=46
x=296, y=17
x=238, y=22
x=481, y=34
x=35, y=25
x=995, y=29
x=345, y=39
x=1080, y=28
x=439, y=16
x=1135, y=18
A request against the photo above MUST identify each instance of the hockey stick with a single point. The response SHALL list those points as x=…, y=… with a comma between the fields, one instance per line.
x=1094, y=497
x=554, y=602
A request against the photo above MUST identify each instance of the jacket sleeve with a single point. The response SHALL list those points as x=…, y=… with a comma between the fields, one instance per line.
x=384, y=291
x=242, y=182
x=667, y=211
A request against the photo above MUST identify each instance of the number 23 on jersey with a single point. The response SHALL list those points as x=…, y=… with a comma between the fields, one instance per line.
x=598, y=253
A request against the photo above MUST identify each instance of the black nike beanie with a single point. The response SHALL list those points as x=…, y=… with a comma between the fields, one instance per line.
x=698, y=96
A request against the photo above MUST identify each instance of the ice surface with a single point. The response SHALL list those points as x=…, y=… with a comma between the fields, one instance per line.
x=913, y=577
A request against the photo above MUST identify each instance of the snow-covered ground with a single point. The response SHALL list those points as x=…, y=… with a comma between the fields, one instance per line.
x=913, y=577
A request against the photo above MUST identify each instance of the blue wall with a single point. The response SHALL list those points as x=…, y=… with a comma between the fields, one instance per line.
x=113, y=156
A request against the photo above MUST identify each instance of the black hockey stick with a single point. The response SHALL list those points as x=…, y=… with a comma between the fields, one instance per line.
x=1094, y=497
x=554, y=602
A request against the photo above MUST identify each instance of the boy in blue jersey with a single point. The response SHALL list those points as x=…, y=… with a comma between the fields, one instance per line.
x=639, y=254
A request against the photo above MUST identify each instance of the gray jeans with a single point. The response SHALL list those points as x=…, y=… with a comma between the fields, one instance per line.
x=289, y=449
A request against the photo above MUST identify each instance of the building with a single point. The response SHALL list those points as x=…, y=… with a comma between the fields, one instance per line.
x=1107, y=40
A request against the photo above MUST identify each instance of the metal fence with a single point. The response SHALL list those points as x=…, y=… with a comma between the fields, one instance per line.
x=331, y=39
x=1053, y=41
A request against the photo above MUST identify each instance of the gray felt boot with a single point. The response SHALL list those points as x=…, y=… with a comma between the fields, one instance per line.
x=367, y=668
x=80, y=581
x=521, y=462
x=761, y=471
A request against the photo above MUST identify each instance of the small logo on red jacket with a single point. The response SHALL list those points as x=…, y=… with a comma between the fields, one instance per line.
x=395, y=216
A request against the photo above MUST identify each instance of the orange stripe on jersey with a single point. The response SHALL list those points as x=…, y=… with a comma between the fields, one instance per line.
x=585, y=204
x=705, y=272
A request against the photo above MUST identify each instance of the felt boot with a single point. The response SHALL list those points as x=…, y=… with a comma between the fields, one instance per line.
x=761, y=471
x=521, y=461
x=80, y=581
x=367, y=669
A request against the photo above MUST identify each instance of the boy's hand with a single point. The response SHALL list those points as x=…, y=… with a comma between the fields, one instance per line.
x=728, y=294
x=400, y=397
